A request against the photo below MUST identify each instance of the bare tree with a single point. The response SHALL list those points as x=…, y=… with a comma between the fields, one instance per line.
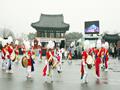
x=32, y=36
x=5, y=33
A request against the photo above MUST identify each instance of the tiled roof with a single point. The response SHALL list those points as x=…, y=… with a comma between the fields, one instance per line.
x=51, y=21
x=111, y=37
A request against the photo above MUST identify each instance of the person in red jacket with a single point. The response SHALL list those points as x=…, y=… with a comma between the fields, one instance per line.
x=17, y=53
x=98, y=55
x=49, y=62
x=69, y=57
x=98, y=62
x=10, y=57
x=40, y=54
x=3, y=55
x=23, y=50
x=84, y=67
x=59, y=61
x=106, y=56
x=30, y=67
x=47, y=70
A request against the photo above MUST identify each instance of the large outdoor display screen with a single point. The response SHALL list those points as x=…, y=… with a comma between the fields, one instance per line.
x=92, y=27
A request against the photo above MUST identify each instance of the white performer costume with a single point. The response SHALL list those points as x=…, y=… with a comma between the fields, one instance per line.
x=84, y=69
x=59, y=58
x=3, y=54
x=10, y=55
x=49, y=62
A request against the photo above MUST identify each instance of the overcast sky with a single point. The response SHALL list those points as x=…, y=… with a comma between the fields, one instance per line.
x=18, y=15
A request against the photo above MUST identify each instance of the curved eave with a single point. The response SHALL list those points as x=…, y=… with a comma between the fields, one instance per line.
x=64, y=27
x=91, y=38
x=111, y=38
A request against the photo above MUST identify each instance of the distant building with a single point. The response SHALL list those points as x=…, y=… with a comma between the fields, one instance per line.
x=50, y=27
x=111, y=38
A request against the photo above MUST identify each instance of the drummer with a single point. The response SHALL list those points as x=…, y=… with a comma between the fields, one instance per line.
x=49, y=62
x=17, y=53
x=30, y=67
x=3, y=56
x=10, y=51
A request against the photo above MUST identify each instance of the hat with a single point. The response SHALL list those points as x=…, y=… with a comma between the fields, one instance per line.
x=16, y=42
x=106, y=45
x=10, y=39
x=50, y=45
x=99, y=44
x=86, y=45
x=4, y=42
x=27, y=44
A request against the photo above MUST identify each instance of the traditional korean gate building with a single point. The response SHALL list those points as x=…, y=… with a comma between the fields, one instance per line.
x=50, y=27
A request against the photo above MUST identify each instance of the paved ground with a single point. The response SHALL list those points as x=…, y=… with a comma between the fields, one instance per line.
x=69, y=79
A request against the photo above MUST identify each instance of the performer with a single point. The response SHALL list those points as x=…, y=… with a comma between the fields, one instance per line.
x=10, y=57
x=30, y=66
x=47, y=71
x=49, y=62
x=98, y=54
x=24, y=50
x=84, y=69
x=106, y=55
x=102, y=56
x=65, y=54
x=17, y=53
x=70, y=57
x=59, y=61
x=3, y=55
x=40, y=54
